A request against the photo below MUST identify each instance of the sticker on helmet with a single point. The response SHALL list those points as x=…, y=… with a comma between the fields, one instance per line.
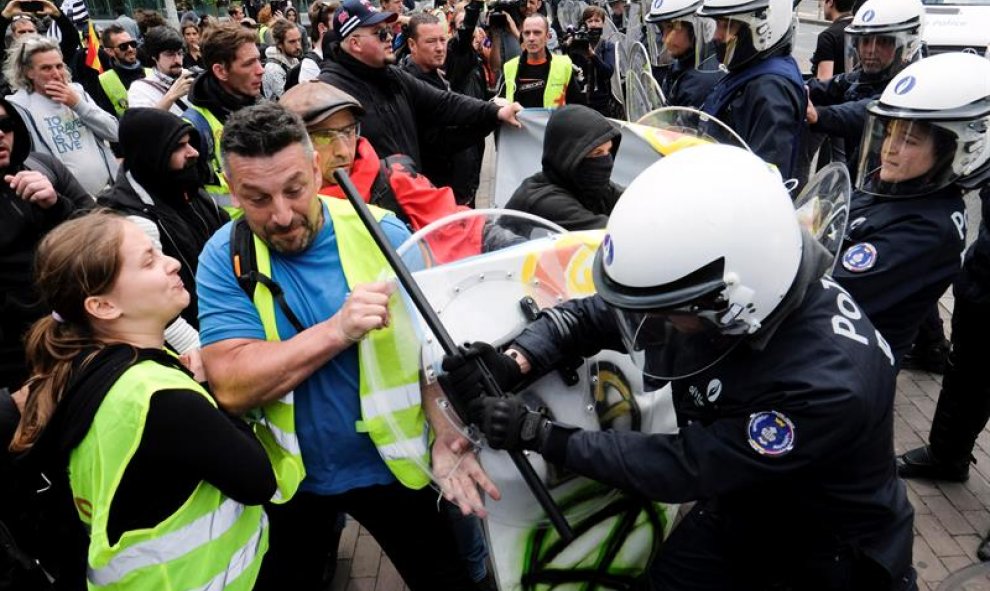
x=859, y=257
x=869, y=15
x=905, y=85
x=608, y=249
x=771, y=433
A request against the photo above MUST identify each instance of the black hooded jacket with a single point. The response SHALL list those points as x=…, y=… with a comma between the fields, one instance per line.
x=396, y=104
x=22, y=226
x=554, y=193
x=185, y=214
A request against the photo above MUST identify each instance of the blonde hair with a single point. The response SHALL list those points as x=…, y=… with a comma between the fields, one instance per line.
x=19, y=58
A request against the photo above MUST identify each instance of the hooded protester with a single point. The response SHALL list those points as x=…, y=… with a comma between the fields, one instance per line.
x=573, y=189
x=39, y=193
x=159, y=188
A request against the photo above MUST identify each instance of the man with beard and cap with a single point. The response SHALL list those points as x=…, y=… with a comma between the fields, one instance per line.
x=762, y=98
x=167, y=85
x=360, y=62
x=39, y=193
x=231, y=82
x=573, y=189
x=159, y=188
x=111, y=94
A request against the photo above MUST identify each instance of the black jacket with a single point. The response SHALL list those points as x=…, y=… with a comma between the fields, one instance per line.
x=899, y=257
x=22, y=226
x=835, y=486
x=185, y=214
x=464, y=67
x=552, y=193
x=684, y=85
x=974, y=280
x=451, y=155
x=395, y=104
x=207, y=93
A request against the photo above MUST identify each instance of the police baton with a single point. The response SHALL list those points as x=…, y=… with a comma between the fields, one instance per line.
x=533, y=481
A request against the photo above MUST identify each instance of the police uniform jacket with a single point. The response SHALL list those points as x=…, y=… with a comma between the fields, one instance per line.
x=687, y=86
x=973, y=283
x=794, y=440
x=899, y=257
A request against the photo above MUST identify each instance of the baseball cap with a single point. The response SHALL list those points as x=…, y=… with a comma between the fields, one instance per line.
x=358, y=13
x=315, y=101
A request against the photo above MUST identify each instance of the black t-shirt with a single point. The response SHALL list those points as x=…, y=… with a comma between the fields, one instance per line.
x=531, y=81
x=832, y=47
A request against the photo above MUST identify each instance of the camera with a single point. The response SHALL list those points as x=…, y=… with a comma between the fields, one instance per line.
x=580, y=39
x=500, y=10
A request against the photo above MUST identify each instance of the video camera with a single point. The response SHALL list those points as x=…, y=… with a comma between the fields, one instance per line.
x=500, y=10
x=580, y=39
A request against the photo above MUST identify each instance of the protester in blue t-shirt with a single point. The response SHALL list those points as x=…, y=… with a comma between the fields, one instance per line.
x=311, y=367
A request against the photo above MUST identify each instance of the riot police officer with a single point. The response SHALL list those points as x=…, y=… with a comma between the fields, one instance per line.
x=783, y=389
x=684, y=51
x=925, y=141
x=883, y=37
x=762, y=98
x=964, y=402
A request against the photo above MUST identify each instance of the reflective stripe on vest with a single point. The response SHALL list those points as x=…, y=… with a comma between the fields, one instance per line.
x=220, y=192
x=555, y=91
x=114, y=88
x=211, y=542
x=388, y=367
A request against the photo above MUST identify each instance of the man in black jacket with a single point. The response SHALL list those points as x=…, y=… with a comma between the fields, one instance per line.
x=573, y=189
x=451, y=155
x=158, y=187
x=360, y=62
x=38, y=193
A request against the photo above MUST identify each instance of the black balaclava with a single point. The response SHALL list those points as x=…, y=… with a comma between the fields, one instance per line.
x=147, y=139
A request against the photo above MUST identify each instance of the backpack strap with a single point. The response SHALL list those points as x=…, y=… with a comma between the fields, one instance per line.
x=243, y=257
x=382, y=194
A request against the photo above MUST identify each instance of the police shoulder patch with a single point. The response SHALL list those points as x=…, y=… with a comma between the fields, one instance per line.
x=859, y=257
x=770, y=433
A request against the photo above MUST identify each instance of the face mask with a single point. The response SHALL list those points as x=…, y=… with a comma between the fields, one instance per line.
x=594, y=172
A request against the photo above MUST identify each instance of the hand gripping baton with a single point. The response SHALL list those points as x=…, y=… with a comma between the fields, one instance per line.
x=533, y=481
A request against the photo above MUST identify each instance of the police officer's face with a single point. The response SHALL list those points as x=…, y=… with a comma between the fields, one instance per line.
x=908, y=152
x=335, y=140
x=677, y=38
x=876, y=53
x=534, y=35
x=278, y=196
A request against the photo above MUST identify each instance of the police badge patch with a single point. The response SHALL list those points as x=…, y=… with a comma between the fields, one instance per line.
x=770, y=433
x=859, y=257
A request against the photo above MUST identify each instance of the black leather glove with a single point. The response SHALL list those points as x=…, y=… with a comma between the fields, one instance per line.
x=509, y=424
x=462, y=382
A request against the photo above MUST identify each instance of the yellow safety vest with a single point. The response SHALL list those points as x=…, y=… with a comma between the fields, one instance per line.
x=115, y=90
x=219, y=190
x=210, y=542
x=388, y=366
x=555, y=91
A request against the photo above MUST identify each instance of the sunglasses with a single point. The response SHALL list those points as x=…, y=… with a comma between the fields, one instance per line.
x=126, y=45
x=6, y=124
x=383, y=34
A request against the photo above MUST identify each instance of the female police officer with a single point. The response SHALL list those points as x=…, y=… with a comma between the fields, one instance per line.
x=926, y=141
x=167, y=486
x=783, y=389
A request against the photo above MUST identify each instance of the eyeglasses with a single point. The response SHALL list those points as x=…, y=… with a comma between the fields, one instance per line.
x=326, y=137
x=6, y=124
x=383, y=34
x=126, y=45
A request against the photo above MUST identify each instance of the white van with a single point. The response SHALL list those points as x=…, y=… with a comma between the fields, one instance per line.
x=957, y=25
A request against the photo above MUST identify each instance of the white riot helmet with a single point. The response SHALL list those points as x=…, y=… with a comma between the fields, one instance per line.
x=929, y=129
x=754, y=27
x=884, y=36
x=671, y=17
x=691, y=269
